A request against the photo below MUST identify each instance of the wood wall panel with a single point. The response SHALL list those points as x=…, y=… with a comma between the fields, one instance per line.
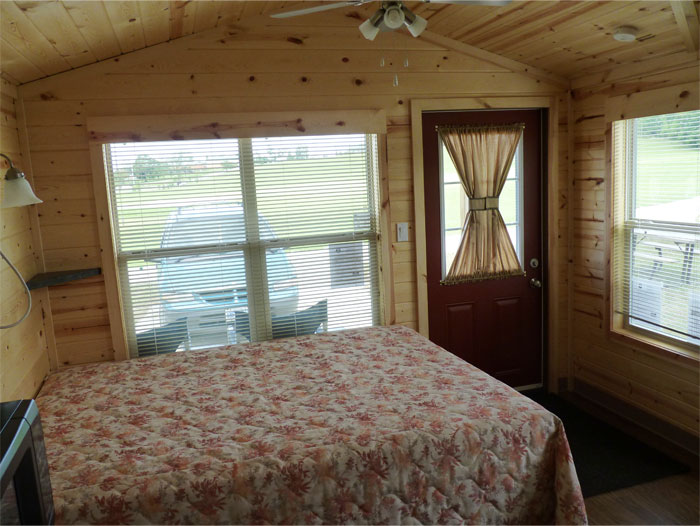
x=342, y=72
x=663, y=384
x=23, y=350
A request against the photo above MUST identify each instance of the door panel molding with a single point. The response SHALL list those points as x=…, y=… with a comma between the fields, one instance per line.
x=556, y=349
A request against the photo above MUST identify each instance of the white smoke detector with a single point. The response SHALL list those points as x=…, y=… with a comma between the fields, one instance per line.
x=625, y=34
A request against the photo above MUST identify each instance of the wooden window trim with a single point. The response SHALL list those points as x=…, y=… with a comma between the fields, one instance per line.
x=141, y=128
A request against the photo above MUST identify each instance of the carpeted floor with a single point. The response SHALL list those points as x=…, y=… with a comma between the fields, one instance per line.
x=606, y=459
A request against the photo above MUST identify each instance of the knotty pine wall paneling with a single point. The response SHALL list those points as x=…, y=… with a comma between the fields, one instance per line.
x=264, y=69
x=24, y=360
x=662, y=384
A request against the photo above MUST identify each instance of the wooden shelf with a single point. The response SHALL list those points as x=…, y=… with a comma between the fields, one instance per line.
x=49, y=279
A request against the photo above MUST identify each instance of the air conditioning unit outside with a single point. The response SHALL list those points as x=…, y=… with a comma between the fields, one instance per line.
x=645, y=303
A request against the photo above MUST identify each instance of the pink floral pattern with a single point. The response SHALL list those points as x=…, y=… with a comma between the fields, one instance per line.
x=362, y=426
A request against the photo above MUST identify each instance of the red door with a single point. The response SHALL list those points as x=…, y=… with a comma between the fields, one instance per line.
x=496, y=325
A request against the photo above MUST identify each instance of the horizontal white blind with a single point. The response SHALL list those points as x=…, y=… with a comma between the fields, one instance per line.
x=656, y=171
x=244, y=239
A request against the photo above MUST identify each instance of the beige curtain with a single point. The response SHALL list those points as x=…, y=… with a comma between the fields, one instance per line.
x=482, y=156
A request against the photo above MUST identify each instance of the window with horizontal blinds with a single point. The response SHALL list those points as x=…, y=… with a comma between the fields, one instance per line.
x=233, y=240
x=656, y=241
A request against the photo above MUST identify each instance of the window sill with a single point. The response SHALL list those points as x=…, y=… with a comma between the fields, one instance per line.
x=679, y=353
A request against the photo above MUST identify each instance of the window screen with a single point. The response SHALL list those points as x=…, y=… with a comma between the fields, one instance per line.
x=240, y=240
x=656, y=263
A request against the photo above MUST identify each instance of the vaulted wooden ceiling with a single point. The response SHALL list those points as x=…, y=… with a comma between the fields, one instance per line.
x=568, y=38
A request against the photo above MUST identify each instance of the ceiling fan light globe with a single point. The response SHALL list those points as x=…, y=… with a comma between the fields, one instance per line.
x=417, y=26
x=369, y=30
x=394, y=17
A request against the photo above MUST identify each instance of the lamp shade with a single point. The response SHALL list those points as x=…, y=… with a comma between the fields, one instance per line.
x=369, y=30
x=18, y=192
x=417, y=26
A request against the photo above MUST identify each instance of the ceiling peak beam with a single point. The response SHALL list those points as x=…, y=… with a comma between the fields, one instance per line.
x=494, y=58
x=687, y=20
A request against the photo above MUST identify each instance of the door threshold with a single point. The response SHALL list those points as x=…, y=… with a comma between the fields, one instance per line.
x=528, y=387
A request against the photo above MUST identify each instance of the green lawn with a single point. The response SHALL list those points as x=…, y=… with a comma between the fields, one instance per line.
x=667, y=171
x=292, y=193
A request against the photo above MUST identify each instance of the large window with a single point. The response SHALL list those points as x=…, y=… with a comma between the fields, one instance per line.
x=656, y=256
x=236, y=240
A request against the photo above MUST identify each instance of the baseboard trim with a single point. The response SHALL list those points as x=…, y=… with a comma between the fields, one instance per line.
x=659, y=434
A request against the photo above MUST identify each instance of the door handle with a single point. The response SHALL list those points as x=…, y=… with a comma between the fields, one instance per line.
x=535, y=283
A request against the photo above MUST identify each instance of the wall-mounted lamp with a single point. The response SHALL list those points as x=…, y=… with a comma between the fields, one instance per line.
x=18, y=192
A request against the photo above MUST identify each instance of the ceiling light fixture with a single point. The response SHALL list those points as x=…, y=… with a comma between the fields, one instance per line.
x=625, y=34
x=391, y=16
x=370, y=27
x=414, y=23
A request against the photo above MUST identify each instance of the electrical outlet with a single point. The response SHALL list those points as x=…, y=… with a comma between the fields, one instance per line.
x=401, y=232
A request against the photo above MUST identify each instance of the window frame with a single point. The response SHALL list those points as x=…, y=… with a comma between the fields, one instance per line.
x=110, y=129
x=617, y=325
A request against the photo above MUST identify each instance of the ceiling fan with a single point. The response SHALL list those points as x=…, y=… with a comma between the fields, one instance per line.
x=390, y=16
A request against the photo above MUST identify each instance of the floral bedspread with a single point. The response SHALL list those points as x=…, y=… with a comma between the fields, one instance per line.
x=363, y=426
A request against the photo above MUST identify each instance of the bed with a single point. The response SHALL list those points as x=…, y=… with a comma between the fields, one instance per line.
x=375, y=425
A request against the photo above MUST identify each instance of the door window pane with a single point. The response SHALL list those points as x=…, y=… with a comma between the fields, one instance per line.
x=455, y=206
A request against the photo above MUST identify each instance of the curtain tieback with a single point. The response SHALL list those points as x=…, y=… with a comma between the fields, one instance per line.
x=483, y=203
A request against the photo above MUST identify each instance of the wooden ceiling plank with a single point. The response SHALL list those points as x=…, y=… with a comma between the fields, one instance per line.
x=155, y=19
x=94, y=25
x=454, y=18
x=687, y=20
x=126, y=21
x=534, y=29
x=425, y=9
x=664, y=44
x=206, y=16
x=599, y=42
x=583, y=26
x=17, y=29
x=17, y=66
x=492, y=20
x=656, y=65
x=535, y=16
x=54, y=22
x=513, y=65
x=594, y=36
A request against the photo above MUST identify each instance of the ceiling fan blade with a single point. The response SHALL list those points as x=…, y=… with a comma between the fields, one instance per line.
x=495, y=3
x=315, y=9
